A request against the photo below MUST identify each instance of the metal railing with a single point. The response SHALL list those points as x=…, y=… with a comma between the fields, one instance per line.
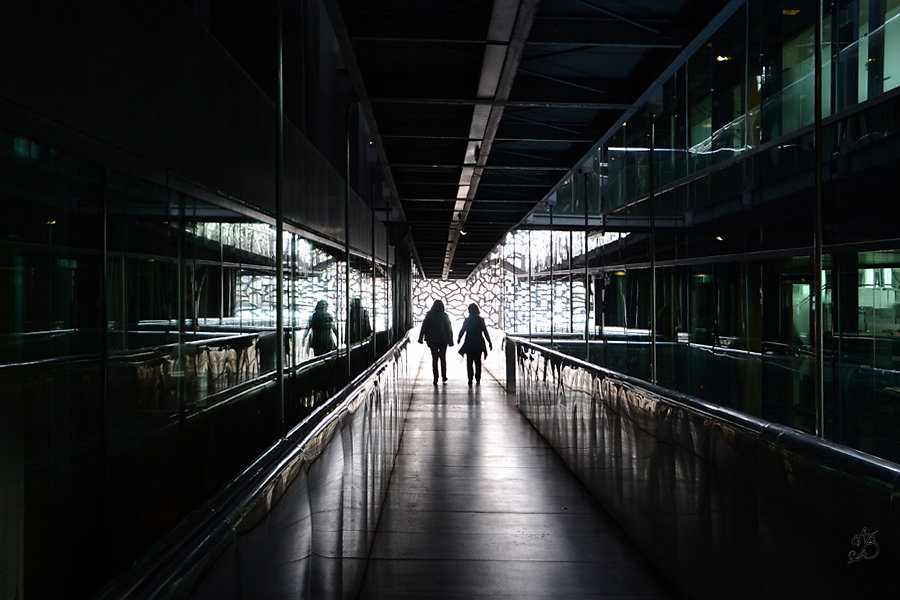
x=298, y=522
x=722, y=503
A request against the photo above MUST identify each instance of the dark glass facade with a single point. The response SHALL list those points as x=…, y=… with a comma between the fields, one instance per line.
x=140, y=350
x=715, y=228
x=159, y=272
x=163, y=251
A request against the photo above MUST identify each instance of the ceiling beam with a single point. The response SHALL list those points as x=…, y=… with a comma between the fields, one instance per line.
x=612, y=46
x=615, y=15
x=698, y=40
x=555, y=126
x=379, y=18
x=444, y=168
x=566, y=82
x=601, y=30
x=336, y=17
x=430, y=205
x=542, y=140
x=605, y=45
x=509, y=27
x=503, y=104
x=369, y=39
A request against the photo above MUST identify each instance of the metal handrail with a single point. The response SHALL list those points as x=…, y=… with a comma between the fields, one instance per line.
x=174, y=565
x=793, y=440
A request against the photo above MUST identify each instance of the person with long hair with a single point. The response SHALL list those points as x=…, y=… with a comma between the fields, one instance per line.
x=321, y=330
x=476, y=334
x=438, y=333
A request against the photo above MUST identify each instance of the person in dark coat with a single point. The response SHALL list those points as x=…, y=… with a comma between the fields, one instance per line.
x=438, y=334
x=476, y=334
x=359, y=321
x=321, y=330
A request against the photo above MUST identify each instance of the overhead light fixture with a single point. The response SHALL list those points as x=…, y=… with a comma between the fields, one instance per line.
x=721, y=58
x=720, y=238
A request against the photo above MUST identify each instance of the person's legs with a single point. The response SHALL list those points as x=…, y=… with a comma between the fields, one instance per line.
x=469, y=369
x=442, y=355
x=435, y=352
x=478, y=368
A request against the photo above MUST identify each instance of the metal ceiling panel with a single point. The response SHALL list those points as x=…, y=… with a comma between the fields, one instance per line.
x=483, y=107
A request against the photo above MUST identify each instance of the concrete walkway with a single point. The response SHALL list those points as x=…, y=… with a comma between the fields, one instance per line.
x=480, y=507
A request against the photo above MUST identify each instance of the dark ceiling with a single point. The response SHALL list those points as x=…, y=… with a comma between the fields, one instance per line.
x=482, y=108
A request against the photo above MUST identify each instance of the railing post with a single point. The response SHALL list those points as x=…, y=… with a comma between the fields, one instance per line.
x=279, y=225
x=652, y=201
x=818, y=322
x=511, y=351
x=346, y=299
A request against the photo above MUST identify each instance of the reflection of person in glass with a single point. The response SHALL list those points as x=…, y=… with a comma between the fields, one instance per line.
x=476, y=333
x=321, y=330
x=438, y=333
x=359, y=321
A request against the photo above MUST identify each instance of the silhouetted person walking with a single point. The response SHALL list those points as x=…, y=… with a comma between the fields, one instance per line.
x=321, y=330
x=476, y=333
x=359, y=321
x=438, y=334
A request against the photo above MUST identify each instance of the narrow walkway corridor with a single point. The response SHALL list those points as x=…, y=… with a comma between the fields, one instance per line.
x=480, y=507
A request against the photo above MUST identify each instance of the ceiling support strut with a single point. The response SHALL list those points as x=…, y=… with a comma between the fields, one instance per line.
x=508, y=31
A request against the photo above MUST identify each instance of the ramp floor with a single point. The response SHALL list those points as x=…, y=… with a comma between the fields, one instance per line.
x=480, y=507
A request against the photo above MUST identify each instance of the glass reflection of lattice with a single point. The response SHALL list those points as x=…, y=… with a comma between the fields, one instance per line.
x=532, y=302
x=256, y=238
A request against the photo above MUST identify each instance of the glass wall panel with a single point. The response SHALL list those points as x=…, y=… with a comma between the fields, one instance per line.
x=668, y=326
x=560, y=290
x=578, y=286
x=290, y=315
x=700, y=108
x=516, y=289
x=340, y=298
x=727, y=55
x=786, y=74
x=798, y=80
x=567, y=195
x=637, y=144
x=732, y=299
x=541, y=291
x=867, y=50
x=891, y=72
x=144, y=307
x=382, y=316
x=559, y=305
x=361, y=300
x=594, y=175
x=315, y=288
x=709, y=338
x=51, y=364
x=138, y=349
x=863, y=306
x=670, y=136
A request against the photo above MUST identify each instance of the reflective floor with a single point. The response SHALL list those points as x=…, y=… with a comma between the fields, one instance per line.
x=479, y=506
